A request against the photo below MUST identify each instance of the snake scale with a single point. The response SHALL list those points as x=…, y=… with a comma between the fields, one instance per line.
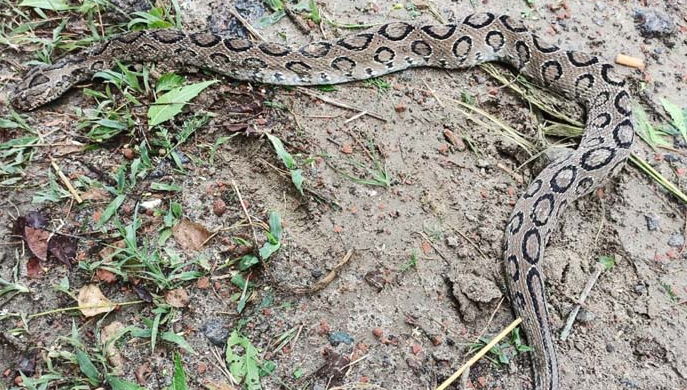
x=393, y=47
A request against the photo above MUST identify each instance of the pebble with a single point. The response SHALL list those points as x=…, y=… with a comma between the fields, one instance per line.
x=215, y=331
x=337, y=338
x=585, y=316
x=482, y=163
x=610, y=348
x=653, y=23
x=219, y=207
x=652, y=221
x=676, y=240
x=639, y=289
x=452, y=242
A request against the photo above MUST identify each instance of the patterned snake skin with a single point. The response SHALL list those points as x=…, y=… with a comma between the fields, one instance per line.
x=393, y=47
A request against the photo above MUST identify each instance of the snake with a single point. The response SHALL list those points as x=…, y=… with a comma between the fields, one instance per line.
x=392, y=47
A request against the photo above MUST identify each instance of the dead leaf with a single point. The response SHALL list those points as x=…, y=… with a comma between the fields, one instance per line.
x=108, y=251
x=105, y=276
x=190, y=235
x=95, y=193
x=177, y=298
x=34, y=269
x=63, y=248
x=37, y=240
x=92, y=301
x=63, y=150
x=107, y=334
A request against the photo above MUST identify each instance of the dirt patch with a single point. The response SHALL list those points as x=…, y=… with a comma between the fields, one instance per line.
x=425, y=277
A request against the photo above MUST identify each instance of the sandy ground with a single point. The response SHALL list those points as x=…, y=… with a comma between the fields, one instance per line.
x=446, y=207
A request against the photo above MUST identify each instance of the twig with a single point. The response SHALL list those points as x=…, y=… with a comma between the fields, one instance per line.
x=245, y=211
x=66, y=182
x=434, y=94
x=479, y=354
x=245, y=23
x=341, y=104
x=324, y=282
x=583, y=297
x=423, y=235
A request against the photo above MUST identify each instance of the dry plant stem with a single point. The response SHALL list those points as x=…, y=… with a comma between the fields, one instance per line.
x=322, y=283
x=479, y=354
x=67, y=183
x=423, y=235
x=245, y=23
x=245, y=211
x=340, y=104
x=583, y=297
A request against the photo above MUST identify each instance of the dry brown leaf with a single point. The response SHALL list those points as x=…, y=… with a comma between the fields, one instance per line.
x=177, y=298
x=113, y=355
x=95, y=193
x=92, y=301
x=63, y=150
x=37, y=240
x=105, y=276
x=34, y=269
x=190, y=235
x=108, y=251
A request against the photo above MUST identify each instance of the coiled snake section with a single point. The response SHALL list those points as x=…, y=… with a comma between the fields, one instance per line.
x=393, y=47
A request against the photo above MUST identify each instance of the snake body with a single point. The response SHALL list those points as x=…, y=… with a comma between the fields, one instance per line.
x=393, y=47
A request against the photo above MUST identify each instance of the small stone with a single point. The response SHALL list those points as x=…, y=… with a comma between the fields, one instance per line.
x=676, y=240
x=377, y=332
x=610, y=348
x=128, y=153
x=652, y=222
x=215, y=332
x=337, y=338
x=639, y=289
x=585, y=316
x=452, y=241
x=653, y=23
x=219, y=207
x=151, y=204
x=600, y=5
x=400, y=108
x=482, y=163
x=416, y=349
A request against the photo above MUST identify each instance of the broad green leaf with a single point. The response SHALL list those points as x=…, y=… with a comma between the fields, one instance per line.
x=275, y=225
x=281, y=152
x=248, y=261
x=243, y=367
x=269, y=20
x=87, y=367
x=110, y=210
x=50, y=5
x=179, y=377
x=178, y=340
x=607, y=261
x=297, y=179
x=164, y=187
x=268, y=249
x=168, y=81
x=170, y=104
x=677, y=116
x=120, y=384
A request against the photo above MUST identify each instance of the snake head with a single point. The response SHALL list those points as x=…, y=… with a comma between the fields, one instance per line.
x=45, y=83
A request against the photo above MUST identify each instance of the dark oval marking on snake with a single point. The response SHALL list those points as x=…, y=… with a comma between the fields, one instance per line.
x=507, y=23
x=254, y=63
x=560, y=187
x=606, y=70
x=461, y=48
x=512, y=259
x=316, y=49
x=584, y=185
x=515, y=228
x=439, y=32
x=129, y=37
x=623, y=134
x=544, y=49
x=601, y=99
x=100, y=48
x=421, y=48
x=298, y=67
x=168, y=36
x=527, y=251
x=585, y=60
x=343, y=64
x=601, y=121
x=561, y=207
x=551, y=71
x=221, y=59
x=520, y=300
x=479, y=20
x=604, y=153
x=274, y=49
x=584, y=84
x=495, y=40
x=237, y=45
x=524, y=54
x=358, y=42
x=384, y=55
x=535, y=215
x=204, y=39
x=396, y=31
x=622, y=103
x=533, y=188
x=541, y=315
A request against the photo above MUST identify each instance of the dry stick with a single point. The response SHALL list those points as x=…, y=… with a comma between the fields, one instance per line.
x=245, y=211
x=423, y=235
x=341, y=104
x=479, y=354
x=66, y=182
x=324, y=282
x=583, y=297
x=245, y=23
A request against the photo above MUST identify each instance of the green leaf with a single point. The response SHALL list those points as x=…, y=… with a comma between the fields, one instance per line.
x=164, y=187
x=50, y=5
x=607, y=261
x=297, y=179
x=268, y=249
x=168, y=81
x=120, y=384
x=87, y=367
x=275, y=225
x=677, y=116
x=110, y=210
x=179, y=378
x=269, y=20
x=243, y=367
x=170, y=104
x=281, y=152
x=248, y=261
